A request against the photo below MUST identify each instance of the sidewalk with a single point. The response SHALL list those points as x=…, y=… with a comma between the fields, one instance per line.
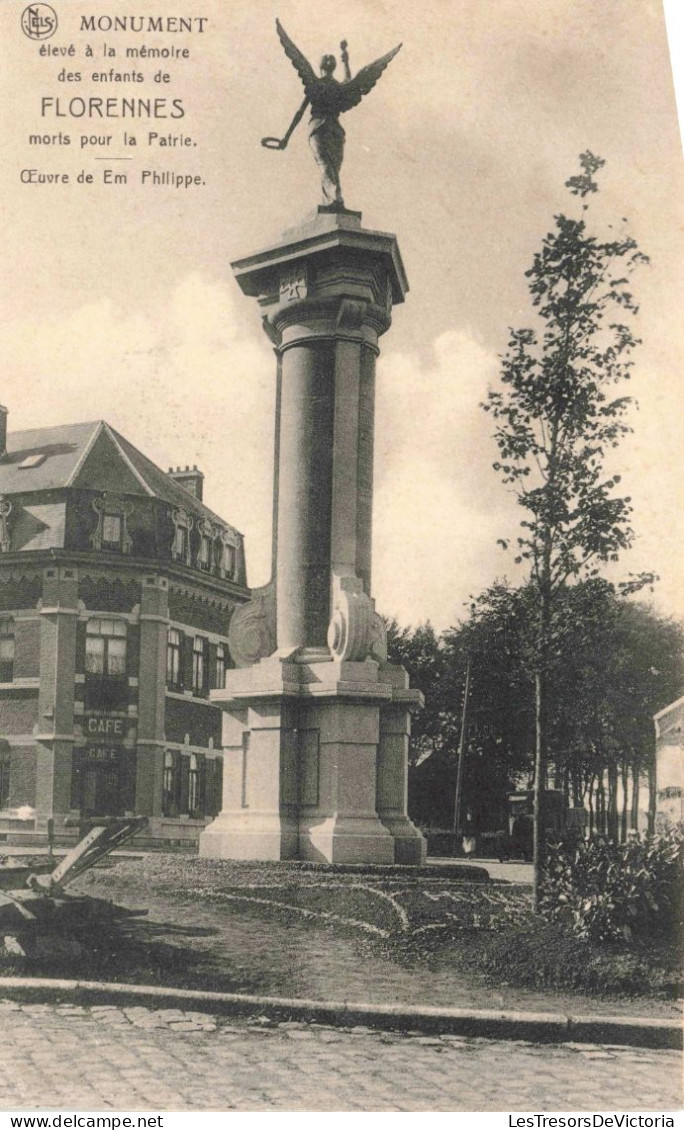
x=505, y=871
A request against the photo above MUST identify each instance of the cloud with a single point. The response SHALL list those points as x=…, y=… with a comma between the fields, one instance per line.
x=190, y=380
x=439, y=506
x=182, y=381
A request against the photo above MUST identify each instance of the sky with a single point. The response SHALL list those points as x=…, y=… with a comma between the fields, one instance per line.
x=118, y=301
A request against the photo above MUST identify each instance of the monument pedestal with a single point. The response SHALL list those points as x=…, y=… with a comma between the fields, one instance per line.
x=315, y=764
x=316, y=722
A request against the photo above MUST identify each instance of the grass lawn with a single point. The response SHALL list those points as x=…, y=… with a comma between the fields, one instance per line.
x=382, y=936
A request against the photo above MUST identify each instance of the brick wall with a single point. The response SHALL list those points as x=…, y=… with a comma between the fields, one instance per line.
x=22, y=777
x=20, y=592
x=188, y=717
x=18, y=712
x=105, y=595
x=186, y=609
x=26, y=649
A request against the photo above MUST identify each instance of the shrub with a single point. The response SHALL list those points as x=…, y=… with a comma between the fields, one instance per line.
x=607, y=891
x=545, y=955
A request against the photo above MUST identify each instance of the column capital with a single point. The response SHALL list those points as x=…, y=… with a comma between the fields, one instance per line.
x=329, y=279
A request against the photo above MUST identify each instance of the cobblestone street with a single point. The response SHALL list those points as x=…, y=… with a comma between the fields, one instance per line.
x=99, y=1058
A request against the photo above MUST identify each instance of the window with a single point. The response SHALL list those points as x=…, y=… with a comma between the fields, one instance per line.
x=5, y=511
x=204, y=555
x=183, y=784
x=32, y=461
x=106, y=682
x=105, y=647
x=171, y=786
x=199, y=665
x=6, y=651
x=229, y=557
x=220, y=666
x=111, y=531
x=173, y=658
x=194, y=787
x=180, y=548
x=180, y=543
x=4, y=774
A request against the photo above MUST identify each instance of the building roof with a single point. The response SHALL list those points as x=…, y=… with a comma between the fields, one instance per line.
x=63, y=447
x=43, y=459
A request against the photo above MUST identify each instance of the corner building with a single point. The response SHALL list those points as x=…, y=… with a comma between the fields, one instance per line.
x=117, y=586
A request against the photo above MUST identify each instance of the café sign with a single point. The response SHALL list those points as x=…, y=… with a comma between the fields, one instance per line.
x=107, y=729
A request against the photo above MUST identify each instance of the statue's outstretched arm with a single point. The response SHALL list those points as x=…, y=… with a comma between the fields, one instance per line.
x=352, y=92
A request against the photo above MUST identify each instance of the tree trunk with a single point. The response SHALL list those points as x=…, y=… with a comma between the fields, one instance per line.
x=612, y=803
x=590, y=800
x=651, y=795
x=636, y=773
x=625, y=800
x=601, y=805
x=540, y=716
x=577, y=793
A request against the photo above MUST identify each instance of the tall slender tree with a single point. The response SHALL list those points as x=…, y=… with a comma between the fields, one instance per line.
x=556, y=420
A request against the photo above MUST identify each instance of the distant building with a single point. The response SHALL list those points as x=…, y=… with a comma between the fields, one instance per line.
x=117, y=585
x=669, y=724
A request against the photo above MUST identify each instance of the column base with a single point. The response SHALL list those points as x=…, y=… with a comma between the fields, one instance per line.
x=302, y=759
x=254, y=836
x=410, y=846
x=339, y=839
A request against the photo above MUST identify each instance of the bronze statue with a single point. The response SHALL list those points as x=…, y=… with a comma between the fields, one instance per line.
x=328, y=99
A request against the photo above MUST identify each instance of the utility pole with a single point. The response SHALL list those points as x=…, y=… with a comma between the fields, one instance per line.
x=461, y=755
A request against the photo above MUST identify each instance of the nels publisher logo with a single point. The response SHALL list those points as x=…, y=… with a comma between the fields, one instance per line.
x=39, y=21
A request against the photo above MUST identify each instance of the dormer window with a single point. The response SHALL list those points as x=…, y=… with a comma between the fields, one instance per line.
x=180, y=549
x=5, y=511
x=204, y=555
x=111, y=532
x=228, y=541
x=229, y=557
x=181, y=543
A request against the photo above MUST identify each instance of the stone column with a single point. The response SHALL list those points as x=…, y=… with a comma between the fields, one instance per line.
x=303, y=714
x=304, y=497
x=55, y=737
x=150, y=747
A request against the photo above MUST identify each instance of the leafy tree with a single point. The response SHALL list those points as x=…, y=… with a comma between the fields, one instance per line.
x=612, y=664
x=555, y=421
x=420, y=651
x=620, y=663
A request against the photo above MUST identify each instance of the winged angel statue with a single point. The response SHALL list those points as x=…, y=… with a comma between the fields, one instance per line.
x=327, y=98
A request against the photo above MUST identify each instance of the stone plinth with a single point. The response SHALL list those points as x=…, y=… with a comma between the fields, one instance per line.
x=316, y=722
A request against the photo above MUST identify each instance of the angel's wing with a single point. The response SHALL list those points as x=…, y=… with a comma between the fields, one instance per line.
x=350, y=93
x=299, y=62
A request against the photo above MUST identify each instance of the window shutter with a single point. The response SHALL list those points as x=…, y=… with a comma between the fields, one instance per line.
x=212, y=665
x=213, y=786
x=208, y=786
x=206, y=683
x=133, y=650
x=186, y=661
x=201, y=784
x=184, y=783
x=217, y=799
